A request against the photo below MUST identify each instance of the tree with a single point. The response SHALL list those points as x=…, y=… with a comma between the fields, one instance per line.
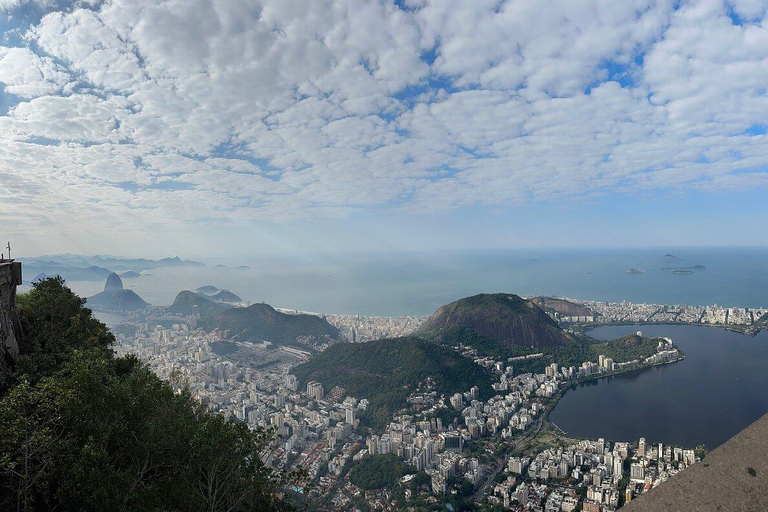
x=83, y=430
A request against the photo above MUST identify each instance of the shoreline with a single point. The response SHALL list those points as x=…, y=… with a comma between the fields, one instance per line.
x=595, y=378
x=750, y=331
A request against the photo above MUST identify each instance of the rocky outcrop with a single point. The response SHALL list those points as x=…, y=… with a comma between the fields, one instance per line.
x=10, y=329
x=114, y=283
x=116, y=298
x=502, y=317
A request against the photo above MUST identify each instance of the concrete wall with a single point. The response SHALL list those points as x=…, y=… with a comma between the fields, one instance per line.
x=10, y=278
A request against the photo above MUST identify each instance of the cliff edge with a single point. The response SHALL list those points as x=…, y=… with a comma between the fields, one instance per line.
x=10, y=329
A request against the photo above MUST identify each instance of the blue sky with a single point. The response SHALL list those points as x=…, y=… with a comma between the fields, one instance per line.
x=159, y=127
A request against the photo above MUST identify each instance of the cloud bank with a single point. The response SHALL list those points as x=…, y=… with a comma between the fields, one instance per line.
x=193, y=112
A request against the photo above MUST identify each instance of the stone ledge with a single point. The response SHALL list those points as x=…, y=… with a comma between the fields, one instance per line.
x=734, y=476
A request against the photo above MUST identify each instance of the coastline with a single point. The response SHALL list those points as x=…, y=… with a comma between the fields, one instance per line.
x=594, y=378
x=585, y=328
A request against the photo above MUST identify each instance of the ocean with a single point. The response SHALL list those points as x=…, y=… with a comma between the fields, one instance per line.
x=397, y=284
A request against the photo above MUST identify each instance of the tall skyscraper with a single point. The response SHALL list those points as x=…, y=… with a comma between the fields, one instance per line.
x=350, y=415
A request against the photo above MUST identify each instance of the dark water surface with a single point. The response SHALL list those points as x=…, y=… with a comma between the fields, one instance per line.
x=717, y=390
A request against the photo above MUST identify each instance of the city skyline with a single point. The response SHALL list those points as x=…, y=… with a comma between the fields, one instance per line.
x=268, y=127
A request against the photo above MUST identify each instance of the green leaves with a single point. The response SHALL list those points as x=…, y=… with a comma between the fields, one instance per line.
x=82, y=430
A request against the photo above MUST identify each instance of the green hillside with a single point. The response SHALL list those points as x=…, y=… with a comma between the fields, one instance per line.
x=627, y=348
x=387, y=371
x=261, y=322
x=379, y=471
x=184, y=302
x=500, y=323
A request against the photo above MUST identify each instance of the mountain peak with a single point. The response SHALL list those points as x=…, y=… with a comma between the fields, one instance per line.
x=114, y=283
x=503, y=319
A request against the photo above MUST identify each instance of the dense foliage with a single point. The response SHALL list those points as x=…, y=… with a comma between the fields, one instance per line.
x=378, y=471
x=83, y=430
x=185, y=301
x=387, y=371
x=261, y=322
x=627, y=348
x=507, y=319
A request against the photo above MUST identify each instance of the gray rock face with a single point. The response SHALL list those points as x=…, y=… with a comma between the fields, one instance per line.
x=114, y=283
x=10, y=329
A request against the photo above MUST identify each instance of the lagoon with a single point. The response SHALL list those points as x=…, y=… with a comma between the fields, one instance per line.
x=717, y=390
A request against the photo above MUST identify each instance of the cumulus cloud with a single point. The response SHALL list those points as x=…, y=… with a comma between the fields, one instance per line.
x=178, y=112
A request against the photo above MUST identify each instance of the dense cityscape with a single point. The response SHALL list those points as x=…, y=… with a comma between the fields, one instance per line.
x=501, y=451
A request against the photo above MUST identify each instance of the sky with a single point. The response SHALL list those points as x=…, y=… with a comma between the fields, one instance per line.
x=234, y=127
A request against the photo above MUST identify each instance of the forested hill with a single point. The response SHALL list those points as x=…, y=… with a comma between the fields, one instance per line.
x=500, y=321
x=81, y=429
x=387, y=371
x=261, y=322
x=186, y=300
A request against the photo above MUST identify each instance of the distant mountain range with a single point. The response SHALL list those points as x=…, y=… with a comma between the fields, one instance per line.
x=210, y=292
x=226, y=296
x=74, y=267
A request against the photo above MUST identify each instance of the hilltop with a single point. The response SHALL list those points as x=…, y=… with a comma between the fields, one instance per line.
x=387, y=371
x=185, y=300
x=116, y=298
x=226, y=296
x=261, y=322
x=562, y=306
x=498, y=323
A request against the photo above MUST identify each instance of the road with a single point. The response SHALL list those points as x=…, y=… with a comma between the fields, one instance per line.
x=541, y=422
x=528, y=435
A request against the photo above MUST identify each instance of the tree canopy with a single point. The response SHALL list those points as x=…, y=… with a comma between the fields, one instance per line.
x=81, y=429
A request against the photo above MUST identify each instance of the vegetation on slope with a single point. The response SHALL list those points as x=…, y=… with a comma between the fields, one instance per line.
x=378, y=471
x=562, y=306
x=185, y=300
x=503, y=326
x=226, y=296
x=627, y=348
x=81, y=429
x=387, y=371
x=261, y=322
x=508, y=319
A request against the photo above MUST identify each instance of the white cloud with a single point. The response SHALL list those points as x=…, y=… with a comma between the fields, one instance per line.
x=27, y=75
x=178, y=112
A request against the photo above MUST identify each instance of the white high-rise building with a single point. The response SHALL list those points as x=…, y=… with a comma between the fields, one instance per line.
x=350, y=416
